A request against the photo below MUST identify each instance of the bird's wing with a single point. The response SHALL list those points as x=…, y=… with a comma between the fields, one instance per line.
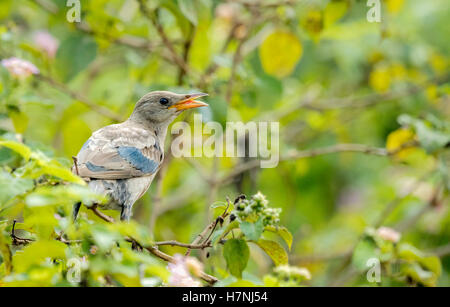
x=119, y=152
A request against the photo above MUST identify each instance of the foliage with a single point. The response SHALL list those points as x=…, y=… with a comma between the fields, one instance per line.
x=364, y=142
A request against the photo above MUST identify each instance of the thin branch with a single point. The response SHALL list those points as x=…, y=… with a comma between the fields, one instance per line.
x=74, y=95
x=186, y=245
x=15, y=239
x=442, y=251
x=101, y=215
x=369, y=99
x=153, y=18
x=296, y=154
x=210, y=228
x=152, y=249
x=394, y=203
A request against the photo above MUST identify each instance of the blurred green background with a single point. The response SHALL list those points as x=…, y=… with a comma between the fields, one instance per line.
x=318, y=67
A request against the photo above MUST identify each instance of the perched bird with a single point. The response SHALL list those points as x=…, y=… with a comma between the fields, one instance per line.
x=121, y=160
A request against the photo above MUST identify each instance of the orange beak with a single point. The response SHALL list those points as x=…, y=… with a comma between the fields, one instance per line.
x=190, y=102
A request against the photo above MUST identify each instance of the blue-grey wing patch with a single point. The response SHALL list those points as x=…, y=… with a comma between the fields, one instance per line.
x=137, y=159
x=119, y=152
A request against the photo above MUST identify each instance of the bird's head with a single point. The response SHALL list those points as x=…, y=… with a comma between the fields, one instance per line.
x=164, y=106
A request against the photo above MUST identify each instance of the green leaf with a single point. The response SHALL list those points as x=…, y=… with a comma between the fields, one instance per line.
x=279, y=53
x=37, y=253
x=200, y=52
x=11, y=186
x=364, y=250
x=252, y=231
x=63, y=173
x=74, y=55
x=430, y=137
x=19, y=119
x=408, y=252
x=5, y=252
x=432, y=263
x=187, y=7
x=275, y=251
x=236, y=254
x=218, y=204
x=283, y=232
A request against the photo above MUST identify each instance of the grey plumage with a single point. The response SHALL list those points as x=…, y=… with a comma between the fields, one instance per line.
x=121, y=160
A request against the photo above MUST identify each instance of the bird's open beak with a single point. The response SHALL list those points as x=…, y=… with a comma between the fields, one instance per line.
x=189, y=102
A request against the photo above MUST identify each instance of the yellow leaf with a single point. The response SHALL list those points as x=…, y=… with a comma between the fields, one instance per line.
x=398, y=71
x=394, y=6
x=380, y=79
x=275, y=251
x=313, y=24
x=438, y=63
x=431, y=92
x=399, y=138
x=334, y=11
x=279, y=53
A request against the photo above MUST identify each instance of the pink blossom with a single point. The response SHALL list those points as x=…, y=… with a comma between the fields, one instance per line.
x=46, y=42
x=19, y=68
x=180, y=271
x=388, y=234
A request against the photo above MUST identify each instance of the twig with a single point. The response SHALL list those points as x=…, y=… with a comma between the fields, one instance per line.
x=394, y=203
x=190, y=246
x=296, y=154
x=15, y=239
x=74, y=95
x=442, y=251
x=153, y=18
x=210, y=228
x=370, y=99
x=101, y=215
x=208, y=278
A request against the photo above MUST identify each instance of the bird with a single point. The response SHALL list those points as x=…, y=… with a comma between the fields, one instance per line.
x=121, y=160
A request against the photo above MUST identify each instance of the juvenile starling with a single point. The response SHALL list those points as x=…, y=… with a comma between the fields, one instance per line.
x=121, y=160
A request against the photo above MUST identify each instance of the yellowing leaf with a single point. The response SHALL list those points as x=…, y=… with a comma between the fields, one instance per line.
x=438, y=63
x=21, y=149
x=275, y=251
x=313, y=24
x=334, y=11
x=283, y=233
x=398, y=71
x=394, y=6
x=380, y=79
x=279, y=53
x=399, y=138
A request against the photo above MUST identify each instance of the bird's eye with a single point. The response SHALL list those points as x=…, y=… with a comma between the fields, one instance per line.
x=164, y=101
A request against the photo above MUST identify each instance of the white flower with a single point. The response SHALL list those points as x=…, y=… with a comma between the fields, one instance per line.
x=46, y=42
x=19, y=68
x=180, y=271
x=388, y=234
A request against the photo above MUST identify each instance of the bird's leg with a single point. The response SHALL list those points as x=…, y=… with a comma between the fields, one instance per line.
x=76, y=208
x=125, y=213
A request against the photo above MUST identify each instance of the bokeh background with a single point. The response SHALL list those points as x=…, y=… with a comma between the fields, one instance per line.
x=320, y=68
